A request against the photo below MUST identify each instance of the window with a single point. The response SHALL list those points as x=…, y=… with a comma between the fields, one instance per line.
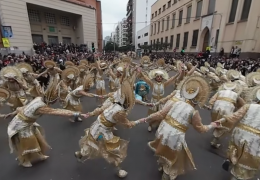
x=178, y=41
x=65, y=21
x=158, y=27
x=199, y=9
x=157, y=40
x=151, y=30
x=164, y=7
x=246, y=9
x=195, y=37
x=180, y=17
x=216, y=39
x=53, y=40
x=154, y=28
x=161, y=40
x=145, y=43
x=151, y=42
x=50, y=18
x=211, y=7
x=167, y=23
x=188, y=14
x=185, y=39
x=154, y=42
x=159, y=11
x=171, y=41
x=174, y=1
x=34, y=15
x=166, y=39
x=169, y=4
x=173, y=20
x=155, y=13
x=66, y=40
x=233, y=11
x=152, y=16
x=139, y=37
x=146, y=34
x=163, y=25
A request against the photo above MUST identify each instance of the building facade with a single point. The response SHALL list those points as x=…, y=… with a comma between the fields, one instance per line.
x=143, y=36
x=194, y=25
x=37, y=21
x=138, y=17
x=122, y=33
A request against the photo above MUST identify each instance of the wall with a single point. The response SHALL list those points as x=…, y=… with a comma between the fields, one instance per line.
x=244, y=34
x=143, y=38
x=14, y=13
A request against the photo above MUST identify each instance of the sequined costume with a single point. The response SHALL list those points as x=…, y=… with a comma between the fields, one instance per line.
x=26, y=136
x=224, y=102
x=170, y=145
x=99, y=140
x=14, y=82
x=34, y=87
x=155, y=81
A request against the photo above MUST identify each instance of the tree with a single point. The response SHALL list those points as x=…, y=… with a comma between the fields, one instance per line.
x=157, y=46
x=165, y=46
x=110, y=46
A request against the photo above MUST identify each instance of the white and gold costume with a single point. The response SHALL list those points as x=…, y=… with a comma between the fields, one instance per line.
x=224, y=102
x=243, y=150
x=99, y=140
x=170, y=145
x=26, y=136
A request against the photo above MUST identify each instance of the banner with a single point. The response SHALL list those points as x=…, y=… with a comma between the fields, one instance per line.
x=6, y=42
x=7, y=31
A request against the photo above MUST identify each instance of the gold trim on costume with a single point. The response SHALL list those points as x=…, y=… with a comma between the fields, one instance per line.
x=248, y=129
x=226, y=99
x=175, y=124
x=25, y=118
x=113, y=143
x=105, y=122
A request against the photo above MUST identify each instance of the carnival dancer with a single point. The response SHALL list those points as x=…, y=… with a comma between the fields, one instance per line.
x=72, y=101
x=142, y=89
x=26, y=136
x=54, y=74
x=184, y=71
x=214, y=80
x=158, y=79
x=116, y=78
x=4, y=96
x=252, y=80
x=170, y=146
x=100, y=82
x=67, y=84
x=220, y=72
x=243, y=150
x=224, y=102
x=234, y=76
x=99, y=140
x=30, y=77
x=146, y=64
x=15, y=83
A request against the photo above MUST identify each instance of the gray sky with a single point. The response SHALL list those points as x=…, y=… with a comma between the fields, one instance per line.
x=113, y=11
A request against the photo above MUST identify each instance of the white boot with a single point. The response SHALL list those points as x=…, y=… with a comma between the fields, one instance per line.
x=122, y=173
x=27, y=164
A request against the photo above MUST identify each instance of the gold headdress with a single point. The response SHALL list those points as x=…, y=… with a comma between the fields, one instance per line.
x=24, y=67
x=204, y=70
x=188, y=65
x=179, y=64
x=161, y=62
x=219, y=71
x=126, y=59
x=11, y=72
x=68, y=73
x=233, y=74
x=77, y=72
x=68, y=64
x=120, y=67
x=220, y=65
x=88, y=81
x=83, y=62
x=196, y=88
x=207, y=64
x=4, y=95
x=232, y=86
x=145, y=60
x=82, y=68
x=125, y=95
x=253, y=79
x=103, y=65
x=158, y=72
x=254, y=95
x=49, y=64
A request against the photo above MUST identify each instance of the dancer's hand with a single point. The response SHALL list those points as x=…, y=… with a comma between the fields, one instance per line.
x=151, y=104
x=87, y=115
x=214, y=125
x=8, y=115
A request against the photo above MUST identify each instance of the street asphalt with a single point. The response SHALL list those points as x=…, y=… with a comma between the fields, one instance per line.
x=141, y=164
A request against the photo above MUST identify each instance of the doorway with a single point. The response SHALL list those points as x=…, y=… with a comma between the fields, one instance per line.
x=37, y=38
x=53, y=40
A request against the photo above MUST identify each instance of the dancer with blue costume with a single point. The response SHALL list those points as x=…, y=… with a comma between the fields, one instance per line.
x=141, y=89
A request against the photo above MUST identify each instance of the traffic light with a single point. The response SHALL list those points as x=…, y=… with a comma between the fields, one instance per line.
x=93, y=47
